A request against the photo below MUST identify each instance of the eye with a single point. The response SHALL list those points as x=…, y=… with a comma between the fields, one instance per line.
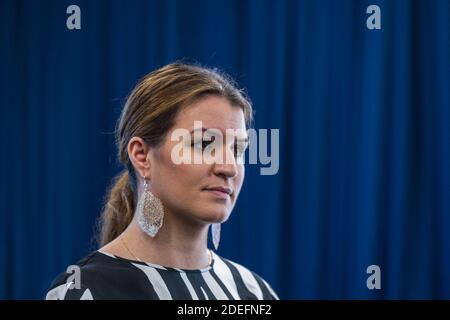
x=203, y=144
x=238, y=150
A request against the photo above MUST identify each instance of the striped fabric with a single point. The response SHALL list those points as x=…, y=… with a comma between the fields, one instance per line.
x=104, y=276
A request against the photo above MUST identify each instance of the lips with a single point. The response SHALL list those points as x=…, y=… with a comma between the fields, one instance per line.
x=224, y=190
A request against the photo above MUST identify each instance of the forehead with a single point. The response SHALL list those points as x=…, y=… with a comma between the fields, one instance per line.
x=214, y=112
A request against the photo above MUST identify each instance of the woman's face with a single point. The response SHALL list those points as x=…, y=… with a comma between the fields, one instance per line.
x=186, y=189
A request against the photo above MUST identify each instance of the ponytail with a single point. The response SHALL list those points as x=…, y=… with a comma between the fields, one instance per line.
x=118, y=210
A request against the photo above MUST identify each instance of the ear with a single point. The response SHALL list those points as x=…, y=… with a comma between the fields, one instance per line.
x=139, y=153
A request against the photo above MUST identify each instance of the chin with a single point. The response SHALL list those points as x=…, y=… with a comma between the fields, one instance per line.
x=215, y=215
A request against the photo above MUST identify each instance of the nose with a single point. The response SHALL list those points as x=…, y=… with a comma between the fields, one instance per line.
x=228, y=167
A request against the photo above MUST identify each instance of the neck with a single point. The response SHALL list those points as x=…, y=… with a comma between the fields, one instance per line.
x=178, y=244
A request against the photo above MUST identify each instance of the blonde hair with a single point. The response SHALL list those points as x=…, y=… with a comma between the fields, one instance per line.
x=150, y=113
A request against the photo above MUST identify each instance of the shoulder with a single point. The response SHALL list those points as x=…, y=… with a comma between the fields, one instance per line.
x=67, y=283
x=96, y=276
x=248, y=282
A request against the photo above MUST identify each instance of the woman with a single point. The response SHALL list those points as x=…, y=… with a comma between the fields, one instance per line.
x=154, y=226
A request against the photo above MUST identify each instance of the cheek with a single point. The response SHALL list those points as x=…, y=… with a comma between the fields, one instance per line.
x=180, y=179
x=167, y=174
x=239, y=179
x=173, y=174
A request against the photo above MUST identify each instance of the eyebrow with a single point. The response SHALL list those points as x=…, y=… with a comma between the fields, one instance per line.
x=198, y=129
x=203, y=129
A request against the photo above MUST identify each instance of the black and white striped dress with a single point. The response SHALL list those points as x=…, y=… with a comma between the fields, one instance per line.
x=104, y=276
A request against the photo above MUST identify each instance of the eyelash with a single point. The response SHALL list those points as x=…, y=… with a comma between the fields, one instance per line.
x=236, y=150
x=202, y=142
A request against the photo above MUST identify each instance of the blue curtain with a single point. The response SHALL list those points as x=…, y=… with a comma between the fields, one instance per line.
x=364, y=120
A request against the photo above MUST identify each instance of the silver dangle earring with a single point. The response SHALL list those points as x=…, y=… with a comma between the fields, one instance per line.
x=215, y=232
x=150, y=211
